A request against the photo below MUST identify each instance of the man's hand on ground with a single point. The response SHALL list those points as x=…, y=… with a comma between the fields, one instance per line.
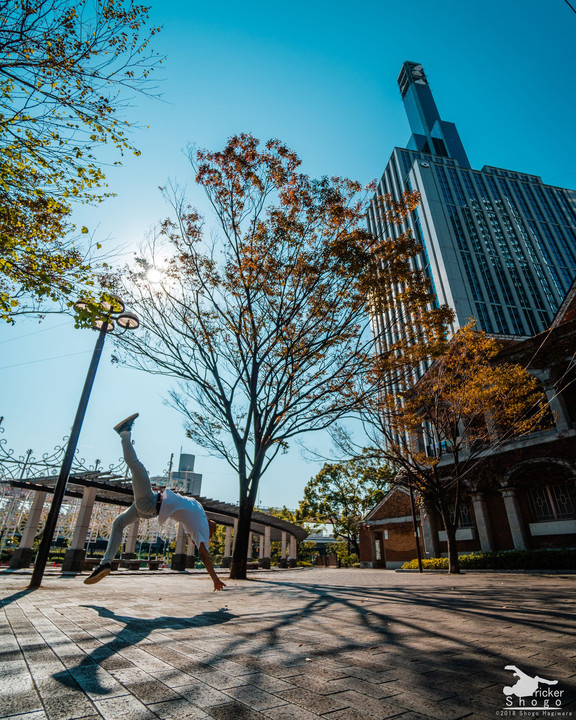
x=218, y=584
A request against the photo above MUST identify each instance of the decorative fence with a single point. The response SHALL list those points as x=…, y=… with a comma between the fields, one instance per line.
x=15, y=502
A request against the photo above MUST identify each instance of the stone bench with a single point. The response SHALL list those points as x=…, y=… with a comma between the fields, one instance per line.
x=130, y=564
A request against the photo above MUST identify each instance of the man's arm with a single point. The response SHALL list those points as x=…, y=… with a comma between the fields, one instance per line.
x=218, y=584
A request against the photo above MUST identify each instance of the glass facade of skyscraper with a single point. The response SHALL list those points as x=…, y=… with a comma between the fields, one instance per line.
x=499, y=245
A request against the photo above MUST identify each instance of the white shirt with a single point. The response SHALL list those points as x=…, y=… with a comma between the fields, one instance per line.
x=187, y=511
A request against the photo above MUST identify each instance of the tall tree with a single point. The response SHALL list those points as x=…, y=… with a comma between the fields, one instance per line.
x=440, y=430
x=267, y=326
x=65, y=70
x=342, y=493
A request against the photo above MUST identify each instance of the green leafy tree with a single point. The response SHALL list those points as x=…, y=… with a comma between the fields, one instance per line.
x=342, y=493
x=306, y=551
x=294, y=516
x=341, y=549
x=266, y=325
x=306, y=548
x=65, y=70
x=217, y=541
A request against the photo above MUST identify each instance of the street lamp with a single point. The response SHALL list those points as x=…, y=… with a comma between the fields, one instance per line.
x=114, y=314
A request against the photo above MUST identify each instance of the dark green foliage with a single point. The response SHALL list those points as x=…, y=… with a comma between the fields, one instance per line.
x=509, y=560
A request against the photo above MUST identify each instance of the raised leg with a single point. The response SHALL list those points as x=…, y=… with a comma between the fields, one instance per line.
x=144, y=498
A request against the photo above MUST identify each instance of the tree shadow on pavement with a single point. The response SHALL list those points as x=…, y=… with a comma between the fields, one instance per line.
x=435, y=650
x=15, y=597
x=443, y=643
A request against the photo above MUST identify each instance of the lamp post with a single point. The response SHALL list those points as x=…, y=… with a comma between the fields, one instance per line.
x=114, y=313
x=415, y=526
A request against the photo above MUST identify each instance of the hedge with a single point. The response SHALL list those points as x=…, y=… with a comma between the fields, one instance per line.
x=510, y=560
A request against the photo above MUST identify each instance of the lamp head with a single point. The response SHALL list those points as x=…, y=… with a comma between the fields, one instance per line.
x=128, y=321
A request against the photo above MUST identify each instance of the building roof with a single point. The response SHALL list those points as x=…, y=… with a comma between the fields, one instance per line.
x=374, y=511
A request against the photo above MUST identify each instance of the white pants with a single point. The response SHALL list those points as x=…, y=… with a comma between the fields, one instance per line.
x=144, y=505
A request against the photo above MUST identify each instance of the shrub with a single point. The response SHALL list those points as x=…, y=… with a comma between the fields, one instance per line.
x=427, y=564
x=508, y=560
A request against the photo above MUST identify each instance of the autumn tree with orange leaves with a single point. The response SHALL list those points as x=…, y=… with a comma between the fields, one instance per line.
x=265, y=321
x=440, y=430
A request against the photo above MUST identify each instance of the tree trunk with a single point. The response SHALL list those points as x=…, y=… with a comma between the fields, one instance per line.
x=248, y=493
x=453, y=562
x=240, y=554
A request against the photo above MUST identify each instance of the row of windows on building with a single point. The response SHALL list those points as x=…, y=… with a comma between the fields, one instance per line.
x=548, y=503
x=530, y=267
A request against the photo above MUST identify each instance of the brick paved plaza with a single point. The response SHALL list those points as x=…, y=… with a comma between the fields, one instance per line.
x=284, y=645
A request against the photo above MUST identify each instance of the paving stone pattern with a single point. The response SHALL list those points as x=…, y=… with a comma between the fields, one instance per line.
x=285, y=645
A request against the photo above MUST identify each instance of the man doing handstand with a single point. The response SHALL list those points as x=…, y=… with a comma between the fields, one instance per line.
x=147, y=504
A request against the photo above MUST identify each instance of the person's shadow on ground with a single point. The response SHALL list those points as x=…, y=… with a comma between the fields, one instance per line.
x=134, y=631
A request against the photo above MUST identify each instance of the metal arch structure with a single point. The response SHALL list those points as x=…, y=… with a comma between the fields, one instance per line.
x=107, y=488
x=225, y=513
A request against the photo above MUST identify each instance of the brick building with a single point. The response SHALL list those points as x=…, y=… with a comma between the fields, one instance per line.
x=525, y=495
x=387, y=534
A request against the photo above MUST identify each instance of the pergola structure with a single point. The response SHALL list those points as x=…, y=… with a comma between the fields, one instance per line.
x=105, y=487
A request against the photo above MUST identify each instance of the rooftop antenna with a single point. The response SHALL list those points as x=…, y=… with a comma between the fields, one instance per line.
x=170, y=468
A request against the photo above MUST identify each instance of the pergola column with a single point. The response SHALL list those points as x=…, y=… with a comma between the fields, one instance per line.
x=283, y=560
x=23, y=555
x=179, y=557
x=190, y=553
x=129, y=558
x=228, y=541
x=131, y=538
x=293, y=556
x=515, y=520
x=227, y=558
x=266, y=551
x=482, y=522
x=250, y=545
x=76, y=553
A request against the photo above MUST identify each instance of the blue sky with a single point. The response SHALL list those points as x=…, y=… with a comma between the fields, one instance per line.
x=321, y=77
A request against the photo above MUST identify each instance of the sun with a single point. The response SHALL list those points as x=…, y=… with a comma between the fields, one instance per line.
x=154, y=275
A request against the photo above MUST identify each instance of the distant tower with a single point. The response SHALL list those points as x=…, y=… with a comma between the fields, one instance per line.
x=498, y=245
x=430, y=134
x=185, y=478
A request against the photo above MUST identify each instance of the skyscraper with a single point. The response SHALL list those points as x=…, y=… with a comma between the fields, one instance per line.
x=498, y=245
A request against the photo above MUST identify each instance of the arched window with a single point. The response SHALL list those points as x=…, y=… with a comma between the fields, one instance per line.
x=551, y=502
